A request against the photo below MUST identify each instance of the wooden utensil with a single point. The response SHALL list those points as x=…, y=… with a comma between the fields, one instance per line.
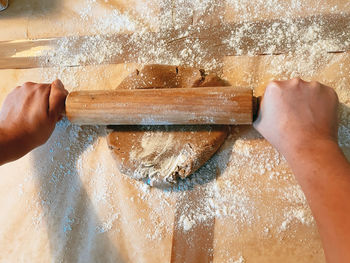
x=3, y=4
x=204, y=105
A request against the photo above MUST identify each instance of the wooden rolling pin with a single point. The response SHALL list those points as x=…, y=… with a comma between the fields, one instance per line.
x=3, y=4
x=204, y=105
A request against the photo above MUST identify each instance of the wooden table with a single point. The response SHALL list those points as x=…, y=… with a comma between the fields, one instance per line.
x=67, y=201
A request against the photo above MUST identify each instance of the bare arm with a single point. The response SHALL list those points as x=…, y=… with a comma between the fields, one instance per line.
x=28, y=117
x=300, y=119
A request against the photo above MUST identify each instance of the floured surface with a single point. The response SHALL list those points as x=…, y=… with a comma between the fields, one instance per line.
x=66, y=201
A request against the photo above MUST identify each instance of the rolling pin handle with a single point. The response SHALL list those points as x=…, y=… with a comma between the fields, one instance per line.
x=3, y=4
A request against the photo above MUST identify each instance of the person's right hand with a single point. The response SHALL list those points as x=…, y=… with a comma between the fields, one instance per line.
x=28, y=117
x=296, y=114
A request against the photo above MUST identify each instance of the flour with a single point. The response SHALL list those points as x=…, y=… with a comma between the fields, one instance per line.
x=300, y=215
x=157, y=163
x=187, y=223
x=91, y=49
x=151, y=142
x=253, y=10
x=248, y=185
x=111, y=20
x=239, y=260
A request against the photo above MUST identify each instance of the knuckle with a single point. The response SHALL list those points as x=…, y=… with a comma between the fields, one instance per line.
x=28, y=84
x=314, y=84
x=31, y=95
x=296, y=80
x=58, y=82
x=333, y=93
x=59, y=95
x=273, y=85
x=42, y=89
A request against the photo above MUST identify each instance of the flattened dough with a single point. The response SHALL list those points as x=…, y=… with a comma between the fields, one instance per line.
x=160, y=155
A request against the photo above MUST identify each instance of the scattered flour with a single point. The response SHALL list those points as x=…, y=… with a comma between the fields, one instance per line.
x=163, y=166
x=301, y=215
x=247, y=167
x=153, y=142
x=186, y=222
x=239, y=260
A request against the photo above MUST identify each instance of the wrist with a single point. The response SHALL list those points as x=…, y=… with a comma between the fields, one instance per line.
x=10, y=147
x=311, y=148
x=317, y=151
x=306, y=144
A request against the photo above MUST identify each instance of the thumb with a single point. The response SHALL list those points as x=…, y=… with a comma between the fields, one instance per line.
x=57, y=100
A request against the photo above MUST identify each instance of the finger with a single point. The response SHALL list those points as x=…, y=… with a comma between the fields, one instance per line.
x=41, y=94
x=274, y=85
x=286, y=83
x=60, y=85
x=29, y=84
x=57, y=99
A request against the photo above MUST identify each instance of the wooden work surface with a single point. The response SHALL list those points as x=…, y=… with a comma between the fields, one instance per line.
x=66, y=201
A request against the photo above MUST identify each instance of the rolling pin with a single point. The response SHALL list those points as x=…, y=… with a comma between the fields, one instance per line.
x=204, y=105
x=3, y=4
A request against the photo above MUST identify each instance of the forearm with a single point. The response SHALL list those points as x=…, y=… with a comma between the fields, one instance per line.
x=4, y=148
x=10, y=148
x=324, y=175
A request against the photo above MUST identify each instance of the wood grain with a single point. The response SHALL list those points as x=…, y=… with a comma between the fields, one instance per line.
x=28, y=53
x=209, y=105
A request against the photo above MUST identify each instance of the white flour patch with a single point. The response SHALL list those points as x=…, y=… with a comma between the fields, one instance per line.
x=156, y=162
